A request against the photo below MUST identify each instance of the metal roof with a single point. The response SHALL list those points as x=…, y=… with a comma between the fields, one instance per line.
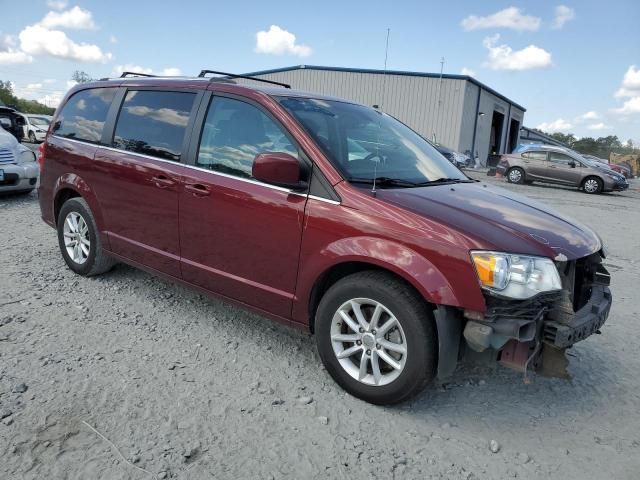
x=390, y=72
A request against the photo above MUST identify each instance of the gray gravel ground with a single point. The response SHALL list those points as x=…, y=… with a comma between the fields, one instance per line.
x=187, y=387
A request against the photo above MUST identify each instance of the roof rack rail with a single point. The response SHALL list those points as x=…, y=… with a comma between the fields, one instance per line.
x=136, y=74
x=248, y=77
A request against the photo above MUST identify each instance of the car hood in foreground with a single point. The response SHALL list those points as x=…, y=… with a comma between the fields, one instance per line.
x=498, y=219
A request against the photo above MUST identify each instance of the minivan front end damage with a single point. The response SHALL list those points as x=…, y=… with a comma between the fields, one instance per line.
x=533, y=334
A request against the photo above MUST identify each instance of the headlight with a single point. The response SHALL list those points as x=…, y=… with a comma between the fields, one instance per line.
x=515, y=276
x=26, y=156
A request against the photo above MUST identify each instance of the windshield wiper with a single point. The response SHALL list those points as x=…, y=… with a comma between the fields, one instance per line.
x=441, y=180
x=385, y=181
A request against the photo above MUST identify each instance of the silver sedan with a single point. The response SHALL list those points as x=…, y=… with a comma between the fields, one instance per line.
x=18, y=167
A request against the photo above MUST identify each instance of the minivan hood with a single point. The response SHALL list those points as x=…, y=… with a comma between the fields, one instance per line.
x=498, y=219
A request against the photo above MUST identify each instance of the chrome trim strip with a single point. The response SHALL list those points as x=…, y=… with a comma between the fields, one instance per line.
x=322, y=199
x=193, y=167
x=206, y=170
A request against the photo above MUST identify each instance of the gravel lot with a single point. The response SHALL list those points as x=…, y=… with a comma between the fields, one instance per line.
x=127, y=376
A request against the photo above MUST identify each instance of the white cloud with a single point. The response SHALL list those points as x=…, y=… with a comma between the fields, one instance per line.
x=49, y=80
x=34, y=86
x=57, y=4
x=38, y=40
x=52, y=99
x=113, y=39
x=12, y=57
x=277, y=41
x=563, y=15
x=171, y=72
x=598, y=126
x=558, y=125
x=630, y=83
x=71, y=84
x=510, y=17
x=9, y=54
x=503, y=57
x=131, y=67
x=467, y=71
x=73, y=18
x=630, y=106
x=591, y=115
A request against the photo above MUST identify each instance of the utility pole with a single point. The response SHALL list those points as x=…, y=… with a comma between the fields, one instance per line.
x=433, y=135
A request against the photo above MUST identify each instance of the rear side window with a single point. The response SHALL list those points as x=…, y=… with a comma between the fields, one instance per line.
x=234, y=133
x=154, y=123
x=535, y=155
x=84, y=114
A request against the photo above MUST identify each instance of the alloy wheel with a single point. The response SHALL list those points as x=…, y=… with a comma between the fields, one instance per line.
x=515, y=175
x=368, y=341
x=76, y=237
x=591, y=185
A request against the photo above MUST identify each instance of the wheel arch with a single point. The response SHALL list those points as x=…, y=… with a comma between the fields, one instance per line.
x=369, y=254
x=71, y=185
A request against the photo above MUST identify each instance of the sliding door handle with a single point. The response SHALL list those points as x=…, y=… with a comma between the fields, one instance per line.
x=197, y=189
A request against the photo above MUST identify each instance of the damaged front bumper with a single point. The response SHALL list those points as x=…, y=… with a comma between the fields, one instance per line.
x=522, y=332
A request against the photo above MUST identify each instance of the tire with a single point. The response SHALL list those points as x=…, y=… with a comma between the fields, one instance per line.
x=415, y=331
x=32, y=137
x=94, y=261
x=515, y=175
x=592, y=185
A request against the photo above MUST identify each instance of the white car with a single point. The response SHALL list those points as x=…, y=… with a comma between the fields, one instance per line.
x=36, y=126
x=18, y=166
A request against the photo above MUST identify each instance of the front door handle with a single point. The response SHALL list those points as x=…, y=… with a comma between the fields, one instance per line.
x=162, y=181
x=197, y=189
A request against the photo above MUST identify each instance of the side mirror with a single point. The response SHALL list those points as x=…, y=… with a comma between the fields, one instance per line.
x=279, y=169
x=572, y=164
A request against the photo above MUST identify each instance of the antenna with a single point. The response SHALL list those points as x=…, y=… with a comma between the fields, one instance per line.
x=384, y=90
x=433, y=132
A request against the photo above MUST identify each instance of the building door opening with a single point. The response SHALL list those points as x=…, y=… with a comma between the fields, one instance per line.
x=514, y=135
x=497, y=122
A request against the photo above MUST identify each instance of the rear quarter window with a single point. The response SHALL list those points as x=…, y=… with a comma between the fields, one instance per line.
x=84, y=115
x=153, y=122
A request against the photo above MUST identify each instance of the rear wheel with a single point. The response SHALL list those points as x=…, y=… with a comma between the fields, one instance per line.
x=79, y=240
x=376, y=337
x=592, y=185
x=515, y=175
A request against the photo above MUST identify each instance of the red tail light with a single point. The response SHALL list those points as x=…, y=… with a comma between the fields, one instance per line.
x=41, y=156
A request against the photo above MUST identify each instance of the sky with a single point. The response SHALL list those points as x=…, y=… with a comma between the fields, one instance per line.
x=575, y=66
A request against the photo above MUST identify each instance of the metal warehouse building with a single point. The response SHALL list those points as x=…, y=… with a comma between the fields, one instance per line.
x=456, y=110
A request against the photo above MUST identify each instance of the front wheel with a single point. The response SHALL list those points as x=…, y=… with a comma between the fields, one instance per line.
x=376, y=337
x=32, y=137
x=592, y=185
x=515, y=175
x=79, y=240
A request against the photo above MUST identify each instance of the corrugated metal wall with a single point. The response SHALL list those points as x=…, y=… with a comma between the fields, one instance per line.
x=412, y=99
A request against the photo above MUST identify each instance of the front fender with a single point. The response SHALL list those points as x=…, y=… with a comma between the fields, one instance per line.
x=428, y=280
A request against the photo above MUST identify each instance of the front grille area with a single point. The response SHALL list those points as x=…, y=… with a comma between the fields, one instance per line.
x=6, y=156
x=500, y=308
x=579, y=276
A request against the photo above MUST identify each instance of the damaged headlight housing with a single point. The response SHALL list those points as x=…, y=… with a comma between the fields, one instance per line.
x=515, y=276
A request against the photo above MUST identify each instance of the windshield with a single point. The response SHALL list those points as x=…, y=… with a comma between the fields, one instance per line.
x=362, y=143
x=39, y=121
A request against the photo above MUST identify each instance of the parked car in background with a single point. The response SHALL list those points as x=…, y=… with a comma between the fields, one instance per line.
x=12, y=122
x=322, y=214
x=460, y=160
x=619, y=168
x=550, y=164
x=18, y=166
x=36, y=126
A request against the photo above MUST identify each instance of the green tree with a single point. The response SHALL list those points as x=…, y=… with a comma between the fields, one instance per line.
x=8, y=97
x=80, y=76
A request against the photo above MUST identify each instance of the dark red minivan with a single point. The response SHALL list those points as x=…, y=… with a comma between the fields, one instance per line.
x=323, y=214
